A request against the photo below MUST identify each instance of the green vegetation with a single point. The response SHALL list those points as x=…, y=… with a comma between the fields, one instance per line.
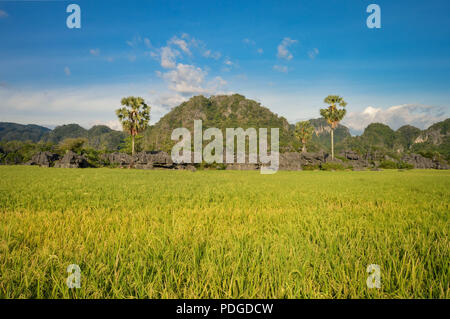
x=220, y=111
x=377, y=134
x=19, y=132
x=72, y=144
x=304, y=131
x=127, y=145
x=65, y=131
x=393, y=165
x=332, y=167
x=134, y=117
x=333, y=114
x=99, y=137
x=223, y=234
x=321, y=140
x=405, y=137
x=235, y=110
x=17, y=152
x=435, y=141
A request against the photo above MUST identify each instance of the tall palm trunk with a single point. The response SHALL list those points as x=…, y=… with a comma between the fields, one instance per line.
x=132, y=144
x=303, y=146
x=332, y=144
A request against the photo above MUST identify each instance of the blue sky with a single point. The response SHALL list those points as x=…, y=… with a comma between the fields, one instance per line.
x=288, y=56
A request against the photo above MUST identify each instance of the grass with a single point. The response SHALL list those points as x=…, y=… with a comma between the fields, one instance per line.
x=223, y=234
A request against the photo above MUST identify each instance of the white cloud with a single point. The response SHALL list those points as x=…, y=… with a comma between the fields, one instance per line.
x=169, y=100
x=210, y=54
x=147, y=42
x=178, y=46
x=3, y=14
x=228, y=62
x=260, y=51
x=94, y=52
x=280, y=68
x=83, y=105
x=201, y=47
x=313, y=53
x=113, y=124
x=184, y=82
x=168, y=57
x=282, y=51
x=228, y=65
x=186, y=79
x=216, y=85
x=420, y=116
x=67, y=71
x=182, y=44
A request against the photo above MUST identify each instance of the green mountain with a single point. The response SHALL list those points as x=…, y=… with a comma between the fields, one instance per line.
x=379, y=135
x=102, y=137
x=405, y=137
x=65, y=131
x=19, y=132
x=321, y=139
x=434, y=141
x=98, y=137
x=221, y=111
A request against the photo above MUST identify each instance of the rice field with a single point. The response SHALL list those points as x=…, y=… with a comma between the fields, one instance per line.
x=223, y=234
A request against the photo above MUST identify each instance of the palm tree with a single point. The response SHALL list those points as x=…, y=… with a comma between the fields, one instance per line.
x=333, y=114
x=134, y=116
x=304, y=131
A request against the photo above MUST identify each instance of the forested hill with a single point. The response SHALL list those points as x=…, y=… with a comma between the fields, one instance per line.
x=20, y=132
x=430, y=142
x=97, y=137
x=221, y=111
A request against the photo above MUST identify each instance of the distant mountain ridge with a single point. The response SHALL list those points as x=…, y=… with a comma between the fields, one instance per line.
x=235, y=110
x=98, y=136
x=19, y=132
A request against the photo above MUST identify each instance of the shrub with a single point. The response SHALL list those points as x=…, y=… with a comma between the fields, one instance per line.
x=72, y=144
x=404, y=165
x=393, y=165
x=388, y=164
x=93, y=157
